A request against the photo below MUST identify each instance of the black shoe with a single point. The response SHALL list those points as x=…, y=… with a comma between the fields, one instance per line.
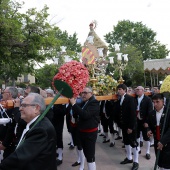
x=126, y=161
x=69, y=143
x=141, y=143
x=118, y=138
x=101, y=134
x=152, y=145
x=76, y=163
x=104, y=137
x=71, y=147
x=135, y=166
x=148, y=156
x=106, y=141
x=59, y=162
x=112, y=144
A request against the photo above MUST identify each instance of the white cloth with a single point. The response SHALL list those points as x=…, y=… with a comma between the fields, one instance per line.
x=82, y=159
x=121, y=100
x=158, y=116
x=91, y=166
x=128, y=152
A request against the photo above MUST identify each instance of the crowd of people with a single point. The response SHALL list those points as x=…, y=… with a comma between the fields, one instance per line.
x=27, y=140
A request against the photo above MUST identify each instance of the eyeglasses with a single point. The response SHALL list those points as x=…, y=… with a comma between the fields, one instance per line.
x=5, y=92
x=85, y=92
x=26, y=105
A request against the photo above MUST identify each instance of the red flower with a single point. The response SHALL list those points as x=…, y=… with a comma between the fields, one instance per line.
x=75, y=74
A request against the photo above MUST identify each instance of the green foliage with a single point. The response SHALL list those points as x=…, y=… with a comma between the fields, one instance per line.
x=44, y=75
x=138, y=41
x=70, y=41
x=26, y=39
x=139, y=36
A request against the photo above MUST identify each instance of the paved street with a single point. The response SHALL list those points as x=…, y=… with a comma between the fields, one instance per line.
x=107, y=158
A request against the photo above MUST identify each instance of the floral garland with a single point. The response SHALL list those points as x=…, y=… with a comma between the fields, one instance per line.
x=165, y=87
x=105, y=84
x=75, y=74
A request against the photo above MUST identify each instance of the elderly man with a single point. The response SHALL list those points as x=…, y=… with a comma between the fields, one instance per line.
x=144, y=106
x=88, y=115
x=50, y=92
x=36, y=149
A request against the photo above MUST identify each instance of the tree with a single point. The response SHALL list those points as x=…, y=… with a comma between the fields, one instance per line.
x=70, y=41
x=133, y=73
x=139, y=36
x=44, y=76
x=24, y=39
x=140, y=43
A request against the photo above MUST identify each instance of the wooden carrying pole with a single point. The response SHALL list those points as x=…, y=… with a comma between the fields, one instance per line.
x=64, y=100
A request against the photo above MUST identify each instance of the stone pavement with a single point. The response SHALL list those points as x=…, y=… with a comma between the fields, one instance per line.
x=107, y=158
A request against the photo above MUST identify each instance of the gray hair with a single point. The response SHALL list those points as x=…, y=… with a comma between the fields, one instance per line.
x=90, y=88
x=50, y=91
x=13, y=91
x=20, y=91
x=39, y=100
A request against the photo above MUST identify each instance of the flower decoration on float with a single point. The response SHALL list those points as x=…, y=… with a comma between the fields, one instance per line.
x=75, y=74
x=106, y=84
x=165, y=87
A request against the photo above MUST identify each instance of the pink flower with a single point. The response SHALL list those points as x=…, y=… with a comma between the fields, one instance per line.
x=75, y=74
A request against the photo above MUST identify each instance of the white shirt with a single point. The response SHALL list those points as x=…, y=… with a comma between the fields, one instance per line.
x=121, y=100
x=139, y=101
x=158, y=116
x=27, y=129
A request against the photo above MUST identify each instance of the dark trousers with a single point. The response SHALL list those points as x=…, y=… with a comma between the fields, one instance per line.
x=59, y=132
x=8, y=151
x=141, y=128
x=129, y=139
x=76, y=137
x=108, y=124
x=88, y=141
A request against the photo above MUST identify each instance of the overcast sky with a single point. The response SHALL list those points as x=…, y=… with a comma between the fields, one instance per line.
x=76, y=15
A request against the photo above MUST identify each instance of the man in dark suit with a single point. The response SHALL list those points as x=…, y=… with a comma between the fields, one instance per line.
x=106, y=108
x=156, y=121
x=126, y=110
x=88, y=115
x=7, y=132
x=37, y=146
x=144, y=106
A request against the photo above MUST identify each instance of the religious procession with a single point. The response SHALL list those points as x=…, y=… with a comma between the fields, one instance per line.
x=95, y=113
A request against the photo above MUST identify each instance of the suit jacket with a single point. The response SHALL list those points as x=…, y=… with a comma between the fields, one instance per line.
x=7, y=132
x=38, y=151
x=88, y=115
x=165, y=139
x=108, y=108
x=146, y=106
x=127, y=112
